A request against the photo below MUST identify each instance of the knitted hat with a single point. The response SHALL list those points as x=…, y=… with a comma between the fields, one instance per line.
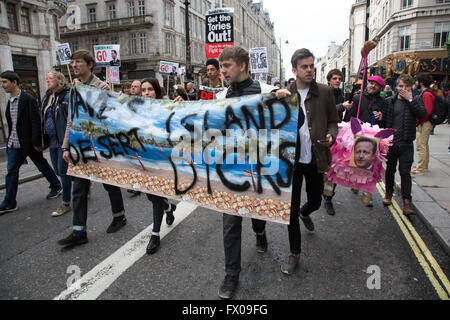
x=378, y=80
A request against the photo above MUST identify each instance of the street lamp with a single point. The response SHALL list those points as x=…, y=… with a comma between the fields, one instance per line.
x=188, y=43
x=281, y=65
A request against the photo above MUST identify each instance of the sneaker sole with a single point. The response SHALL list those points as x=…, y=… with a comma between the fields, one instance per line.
x=57, y=214
x=8, y=210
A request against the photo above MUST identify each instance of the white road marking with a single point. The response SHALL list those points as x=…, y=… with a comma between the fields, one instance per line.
x=93, y=283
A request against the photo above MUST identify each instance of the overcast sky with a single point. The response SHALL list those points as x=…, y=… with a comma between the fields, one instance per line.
x=308, y=24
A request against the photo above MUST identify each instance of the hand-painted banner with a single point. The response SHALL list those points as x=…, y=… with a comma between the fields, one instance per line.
x=230, y=155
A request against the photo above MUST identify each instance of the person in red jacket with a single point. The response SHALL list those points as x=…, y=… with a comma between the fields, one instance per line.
x=424, y=126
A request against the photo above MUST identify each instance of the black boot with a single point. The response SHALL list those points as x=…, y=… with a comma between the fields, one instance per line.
x=153, y=245
x=328, y=205
x=170, y=218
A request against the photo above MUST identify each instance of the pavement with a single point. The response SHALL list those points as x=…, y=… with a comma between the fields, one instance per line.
x=429, y=191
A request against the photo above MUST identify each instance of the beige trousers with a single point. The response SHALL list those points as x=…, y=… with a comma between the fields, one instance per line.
x=422, y=137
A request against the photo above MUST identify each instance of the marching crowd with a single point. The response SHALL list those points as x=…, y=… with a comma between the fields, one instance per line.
x=411, y=109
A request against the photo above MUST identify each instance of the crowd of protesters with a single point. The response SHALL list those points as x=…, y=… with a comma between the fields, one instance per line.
x=36, y=125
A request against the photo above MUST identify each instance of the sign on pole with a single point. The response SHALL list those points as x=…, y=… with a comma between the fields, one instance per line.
x=169, y=68
x=64, y=53
x=219, y=31
x=258, y=60
x=107, y=54
x=114, y=74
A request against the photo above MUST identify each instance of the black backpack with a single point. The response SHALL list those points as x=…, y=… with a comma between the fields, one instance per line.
x=440, y=109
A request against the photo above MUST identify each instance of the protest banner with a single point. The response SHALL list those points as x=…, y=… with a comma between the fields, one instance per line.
x=108, y=54
x=219, y=31
x=207, y=93
x=231, y=155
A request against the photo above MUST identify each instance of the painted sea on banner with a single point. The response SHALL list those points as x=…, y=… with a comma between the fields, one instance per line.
x=230, y=155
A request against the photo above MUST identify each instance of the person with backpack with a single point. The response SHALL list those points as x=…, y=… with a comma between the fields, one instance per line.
x=424, y=126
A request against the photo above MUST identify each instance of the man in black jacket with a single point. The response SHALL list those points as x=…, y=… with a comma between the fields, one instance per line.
x=400, y=113
x=24, y=140
x=234, y=62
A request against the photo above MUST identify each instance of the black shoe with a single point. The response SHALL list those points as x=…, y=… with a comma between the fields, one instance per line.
x=329, y=206
x=54, y=193
x=261, y=243
x=153, y=244
x=117, y=224
x=74, y=239
x=289, y=266
x=134, y=193
x=4, y=209
x=228, y=287
x=307, y=222
x=170, y=218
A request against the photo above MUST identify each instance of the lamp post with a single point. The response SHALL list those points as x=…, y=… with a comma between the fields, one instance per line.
x=281, y=64
x=188, y=43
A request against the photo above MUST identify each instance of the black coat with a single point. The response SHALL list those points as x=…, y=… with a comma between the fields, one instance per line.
x=413, y=111
x=28, y=123
x=369, y=104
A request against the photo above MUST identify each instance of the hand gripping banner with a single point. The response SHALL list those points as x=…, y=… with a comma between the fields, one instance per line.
x=232, y=155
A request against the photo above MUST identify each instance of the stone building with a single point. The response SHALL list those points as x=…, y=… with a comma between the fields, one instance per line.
x=253, y=28
x=148, y=31
x=28, y=38
x=412, y=36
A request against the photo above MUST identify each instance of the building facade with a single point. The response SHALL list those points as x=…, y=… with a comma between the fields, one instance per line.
x=412, y=37
x=28, y=38
x=148, y=31
x=253, y=28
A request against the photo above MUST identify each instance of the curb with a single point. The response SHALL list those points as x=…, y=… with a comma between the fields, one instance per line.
x=436, y=219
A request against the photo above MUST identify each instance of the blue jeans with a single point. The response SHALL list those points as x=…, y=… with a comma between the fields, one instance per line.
x=15, y=161
x=60, y=166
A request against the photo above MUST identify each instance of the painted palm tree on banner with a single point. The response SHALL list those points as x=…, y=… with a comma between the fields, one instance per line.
x=135, y=143
x=89, y=129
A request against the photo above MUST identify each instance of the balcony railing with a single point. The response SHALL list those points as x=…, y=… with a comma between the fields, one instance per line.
x=109, y=25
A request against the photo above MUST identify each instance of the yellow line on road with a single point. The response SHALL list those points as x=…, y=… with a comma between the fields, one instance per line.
x=404, y=226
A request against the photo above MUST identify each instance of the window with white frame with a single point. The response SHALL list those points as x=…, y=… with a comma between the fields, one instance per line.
x=92, y=15
x=141, y=8
x=133, y=43
x=404, y=38
x=12, y=18
x=25, y=20
x=112, y=11
x=143, y=42
x=404, y=4
x=441, y=31
x=168, y=14
x=183, y=20
x=168, y=44
x=131, y=8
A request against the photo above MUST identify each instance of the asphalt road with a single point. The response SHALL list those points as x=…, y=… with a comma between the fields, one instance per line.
x=190, y=263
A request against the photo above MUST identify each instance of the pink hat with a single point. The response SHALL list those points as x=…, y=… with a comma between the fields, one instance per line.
x=378, y=80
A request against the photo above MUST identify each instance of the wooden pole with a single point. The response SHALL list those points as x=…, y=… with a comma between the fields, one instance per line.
x=68, y=71
x=167, y=91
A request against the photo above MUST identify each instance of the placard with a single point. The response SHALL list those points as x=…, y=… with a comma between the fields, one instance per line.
x=108, y=54
x=258, y=60
x=64, y=53
x=219, y=31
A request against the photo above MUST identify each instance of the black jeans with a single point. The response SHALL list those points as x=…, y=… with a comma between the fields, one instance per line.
x=159, y=205
x=314, y=190
x=80, y=192
x=404, y=154
x=232, y=235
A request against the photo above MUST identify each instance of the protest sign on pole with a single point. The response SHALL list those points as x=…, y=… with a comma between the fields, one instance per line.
x=113, y=74
x=65, y=56
x=258, y=60
x=169, y=68
x=107, y=54
x=219, y=31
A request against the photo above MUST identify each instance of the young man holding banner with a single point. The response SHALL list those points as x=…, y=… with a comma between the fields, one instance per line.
x=234, y=62
x=83, y=62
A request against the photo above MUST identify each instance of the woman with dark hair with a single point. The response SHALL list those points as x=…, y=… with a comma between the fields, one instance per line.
x=150, y=88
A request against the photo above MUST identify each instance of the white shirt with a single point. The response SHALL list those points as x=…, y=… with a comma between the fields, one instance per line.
x=305, y=138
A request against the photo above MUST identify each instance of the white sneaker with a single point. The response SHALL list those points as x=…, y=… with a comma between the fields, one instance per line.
x=61, y=210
